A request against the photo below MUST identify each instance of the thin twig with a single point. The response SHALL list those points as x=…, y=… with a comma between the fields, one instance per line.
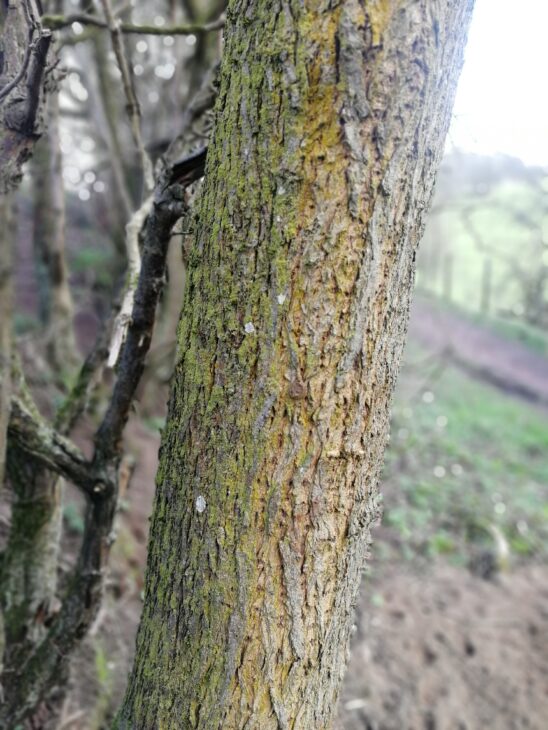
x=77, y=400
x=133, y=108
x=58, y=22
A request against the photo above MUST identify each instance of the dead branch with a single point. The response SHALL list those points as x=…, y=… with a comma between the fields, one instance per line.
x=58, y=22
x=133, y=107
x=167, y=206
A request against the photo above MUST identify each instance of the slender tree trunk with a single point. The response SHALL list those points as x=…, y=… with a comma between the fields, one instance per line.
x=6, y=309
x=330, y=124
x=30, y=561
x=56, y=307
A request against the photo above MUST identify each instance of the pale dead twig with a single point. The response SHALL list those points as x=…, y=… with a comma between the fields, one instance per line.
x=133, y=228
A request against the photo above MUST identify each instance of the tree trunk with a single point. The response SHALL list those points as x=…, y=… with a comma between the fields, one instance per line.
x=330, y=124
x=30, y=560
x=7, y=247
x=56, y=308
x=24, y=46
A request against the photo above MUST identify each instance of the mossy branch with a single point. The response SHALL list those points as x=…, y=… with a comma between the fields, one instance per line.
x=28, y=430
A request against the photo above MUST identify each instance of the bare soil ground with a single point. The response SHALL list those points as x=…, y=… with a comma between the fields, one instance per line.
x=450, y=651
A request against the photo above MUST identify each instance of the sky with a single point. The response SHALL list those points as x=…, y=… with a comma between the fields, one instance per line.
x=502, y=100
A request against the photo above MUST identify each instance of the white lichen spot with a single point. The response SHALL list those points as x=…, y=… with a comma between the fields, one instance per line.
x=249, y=328
x=200, y=504
x=281, y=190
x=281, y=298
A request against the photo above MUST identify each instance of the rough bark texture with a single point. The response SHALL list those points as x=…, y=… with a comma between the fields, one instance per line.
x=29, y=566
x=24, y=48
x=331, y=121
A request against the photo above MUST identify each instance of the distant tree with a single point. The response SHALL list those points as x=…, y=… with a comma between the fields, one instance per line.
x=331, y=121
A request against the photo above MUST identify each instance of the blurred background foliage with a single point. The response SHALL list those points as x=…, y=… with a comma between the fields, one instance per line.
x=467, y=466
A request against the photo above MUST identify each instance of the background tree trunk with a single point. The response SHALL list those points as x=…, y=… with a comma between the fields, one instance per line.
x=7, y=248
x=330, y=125
x=55, y=299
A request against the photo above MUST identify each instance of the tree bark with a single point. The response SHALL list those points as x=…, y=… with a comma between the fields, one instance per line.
x=330, y=125
x=24, y=48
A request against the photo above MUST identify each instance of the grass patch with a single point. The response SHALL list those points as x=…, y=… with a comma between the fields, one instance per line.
x=466, y=464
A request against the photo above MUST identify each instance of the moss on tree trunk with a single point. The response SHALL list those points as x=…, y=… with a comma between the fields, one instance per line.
x=330, y=123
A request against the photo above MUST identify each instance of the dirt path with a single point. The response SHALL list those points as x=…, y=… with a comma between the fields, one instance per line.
x=450, y=651
x=507, y=364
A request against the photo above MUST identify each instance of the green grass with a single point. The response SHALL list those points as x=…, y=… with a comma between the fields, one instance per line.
x=465, y=462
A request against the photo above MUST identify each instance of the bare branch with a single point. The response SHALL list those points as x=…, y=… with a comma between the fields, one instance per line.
x=133, y=108
x=89, y=376
x=6, y=305
x=58, y=22
x=167, y=206
x=31, y=679
x=33, y=435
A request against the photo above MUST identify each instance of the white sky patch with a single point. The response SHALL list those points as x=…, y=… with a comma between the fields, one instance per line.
x=501, y=105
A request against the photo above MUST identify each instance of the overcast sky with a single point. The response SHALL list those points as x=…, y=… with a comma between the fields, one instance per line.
x=502, y=102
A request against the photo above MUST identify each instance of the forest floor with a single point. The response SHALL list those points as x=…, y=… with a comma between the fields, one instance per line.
x=452, y=626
